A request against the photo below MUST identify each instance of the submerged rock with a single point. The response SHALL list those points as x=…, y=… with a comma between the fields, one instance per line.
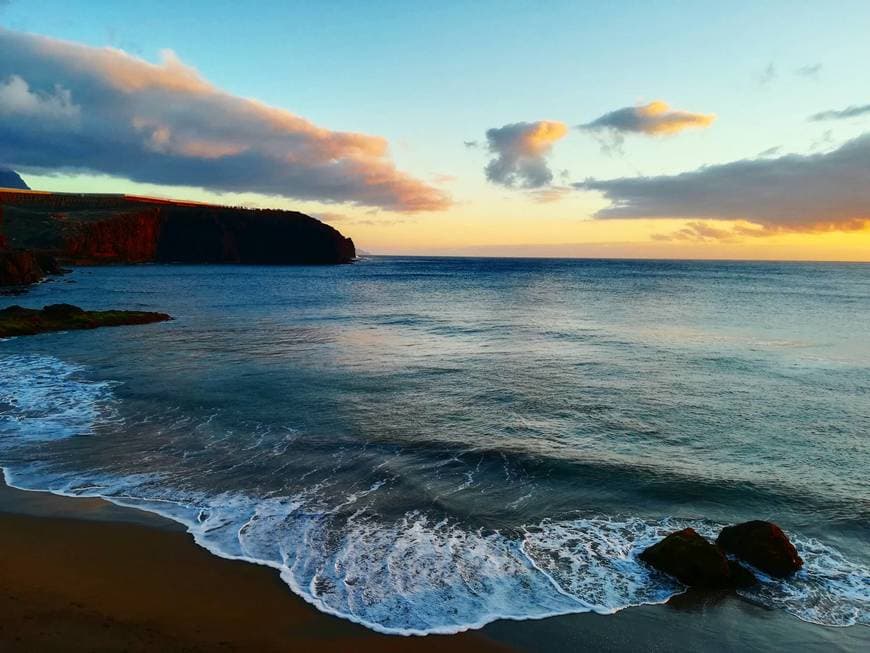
x=19, y=321
x=695, y=562
x=763, y=545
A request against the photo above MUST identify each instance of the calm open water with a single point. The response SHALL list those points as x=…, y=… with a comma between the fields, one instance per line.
x=426, y=445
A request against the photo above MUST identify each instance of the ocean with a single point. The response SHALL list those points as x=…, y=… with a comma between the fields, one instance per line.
x=425, y=445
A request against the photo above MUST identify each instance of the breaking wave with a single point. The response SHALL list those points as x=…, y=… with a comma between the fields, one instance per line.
x=414, y=575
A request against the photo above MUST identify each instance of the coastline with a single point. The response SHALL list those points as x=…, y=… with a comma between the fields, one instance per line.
x=106, y=537
x=112, y=578
x=108, y=577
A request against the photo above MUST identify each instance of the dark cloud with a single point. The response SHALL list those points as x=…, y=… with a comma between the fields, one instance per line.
x=811, y=70
x=70, y=107
x=855, y=111
x=794, y=192
x=521, y=151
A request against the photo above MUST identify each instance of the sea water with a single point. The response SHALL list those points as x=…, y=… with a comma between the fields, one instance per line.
x=425, y=445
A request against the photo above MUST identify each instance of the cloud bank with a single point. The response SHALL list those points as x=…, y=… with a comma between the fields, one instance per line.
x=521, y=151
x=65, y=106
x=842, y=114
x=701, y=232
x=828, y=191
x=653, y=119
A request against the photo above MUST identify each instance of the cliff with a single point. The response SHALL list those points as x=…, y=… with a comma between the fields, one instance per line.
x=92, y=229
x=19, y=268
x=23, y=267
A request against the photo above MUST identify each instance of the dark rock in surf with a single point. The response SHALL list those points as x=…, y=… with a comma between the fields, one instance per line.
x=19, y=321
x=763, y=545
x=695, y=562
x=740, y=575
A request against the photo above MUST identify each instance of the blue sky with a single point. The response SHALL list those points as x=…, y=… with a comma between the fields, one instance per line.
x=428, y=78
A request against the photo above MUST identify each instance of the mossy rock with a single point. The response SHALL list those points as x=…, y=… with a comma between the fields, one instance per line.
x=19, y=321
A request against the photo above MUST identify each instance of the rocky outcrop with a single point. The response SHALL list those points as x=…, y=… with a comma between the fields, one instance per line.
x=763, y=545
x=695, y=562
x=19, y=268
x=18, y=321
x=23, y=267
x=11, y=179
x=94, y=229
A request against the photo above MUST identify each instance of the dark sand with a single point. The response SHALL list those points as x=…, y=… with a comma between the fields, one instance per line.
x=86, y=575
x=139, y=583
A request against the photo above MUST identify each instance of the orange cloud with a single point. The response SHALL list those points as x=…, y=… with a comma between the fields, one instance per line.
x=653, y=119
x=163, y=123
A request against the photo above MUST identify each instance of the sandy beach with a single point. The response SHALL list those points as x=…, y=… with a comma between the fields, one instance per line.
x=81, y=574
x=72, y=581
x=434, y=327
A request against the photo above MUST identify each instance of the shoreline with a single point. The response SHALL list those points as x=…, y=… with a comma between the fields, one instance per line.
x=112, y=578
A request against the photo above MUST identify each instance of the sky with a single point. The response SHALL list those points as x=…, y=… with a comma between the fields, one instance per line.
x=648, y=129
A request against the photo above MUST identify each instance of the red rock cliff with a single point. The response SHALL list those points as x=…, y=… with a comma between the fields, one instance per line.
x=92, y=229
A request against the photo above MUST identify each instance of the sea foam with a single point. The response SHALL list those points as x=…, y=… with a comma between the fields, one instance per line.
x=415, y=575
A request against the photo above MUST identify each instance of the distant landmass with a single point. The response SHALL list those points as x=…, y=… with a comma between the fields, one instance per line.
x=11, y=179
x=91, y=229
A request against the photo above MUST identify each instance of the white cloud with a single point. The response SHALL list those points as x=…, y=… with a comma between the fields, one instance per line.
x=163, y=123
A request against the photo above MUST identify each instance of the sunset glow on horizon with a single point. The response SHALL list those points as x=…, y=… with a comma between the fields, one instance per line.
x=618, y=148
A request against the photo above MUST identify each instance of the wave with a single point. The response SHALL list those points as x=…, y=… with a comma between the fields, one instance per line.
x=414, y=575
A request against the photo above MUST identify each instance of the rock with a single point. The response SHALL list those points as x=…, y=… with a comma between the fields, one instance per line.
x=18, y=321
x=22, y=267
x=49, y=264
x=763, y=545
x=19, y=268
x=740, y=575
x=61, y=310
x=695, y=562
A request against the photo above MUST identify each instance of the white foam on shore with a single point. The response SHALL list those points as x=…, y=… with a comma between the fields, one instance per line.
x=414, y=576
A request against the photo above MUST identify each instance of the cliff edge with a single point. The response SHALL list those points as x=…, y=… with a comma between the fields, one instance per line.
x=88, y=229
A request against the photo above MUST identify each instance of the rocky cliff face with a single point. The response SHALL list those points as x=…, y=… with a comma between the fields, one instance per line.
x=94, y=229
x=18, y=268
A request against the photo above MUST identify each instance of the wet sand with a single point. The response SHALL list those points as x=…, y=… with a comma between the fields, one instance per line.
x=139, y=583
x=86, y=575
